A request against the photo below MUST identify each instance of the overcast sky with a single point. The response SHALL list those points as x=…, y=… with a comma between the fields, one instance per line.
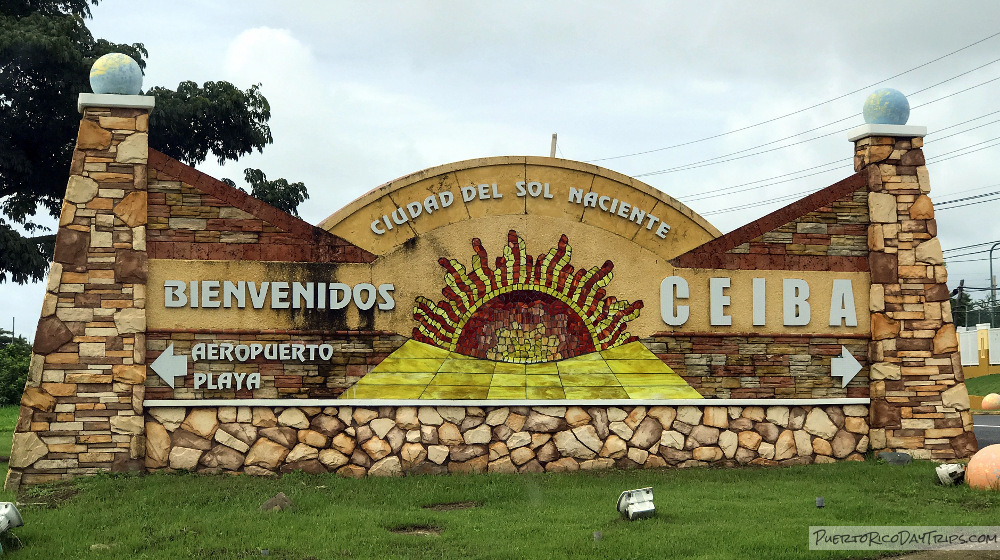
x=364, y=92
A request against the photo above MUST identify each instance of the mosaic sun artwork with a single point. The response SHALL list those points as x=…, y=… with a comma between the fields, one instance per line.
x=528, y=328
x=524, y=310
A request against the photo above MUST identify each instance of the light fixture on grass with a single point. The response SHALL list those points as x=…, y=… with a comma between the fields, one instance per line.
x=636, y=504
x=950, y=473
x=9, y=516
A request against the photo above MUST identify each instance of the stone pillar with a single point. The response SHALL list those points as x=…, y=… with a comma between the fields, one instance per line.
x=82, y=407
x=919, y=401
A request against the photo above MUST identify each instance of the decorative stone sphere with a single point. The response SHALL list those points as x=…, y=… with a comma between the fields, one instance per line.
x=886, y=106
x=116, y=73
x=991, y=402
x=983, y=471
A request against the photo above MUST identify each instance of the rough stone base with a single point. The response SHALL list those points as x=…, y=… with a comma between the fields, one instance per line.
x=391, y=441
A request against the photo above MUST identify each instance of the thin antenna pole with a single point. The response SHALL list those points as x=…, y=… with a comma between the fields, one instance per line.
x=552, y=151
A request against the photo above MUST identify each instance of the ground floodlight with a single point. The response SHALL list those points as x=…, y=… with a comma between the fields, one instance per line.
x=950, y=474
x=636, y=504
x=9, y=516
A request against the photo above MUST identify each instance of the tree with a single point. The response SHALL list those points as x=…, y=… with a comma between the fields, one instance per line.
x=45, y=56
x=46, y=52
x=278, y=193
x=961, y=304
x=968, y=312
x=15, y=357
x=218, y=118
x=982, y=311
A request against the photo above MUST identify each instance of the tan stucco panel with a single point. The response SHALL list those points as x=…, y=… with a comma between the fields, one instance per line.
x=418, y=193
x=635, y=275
x=413, y=270
x=501, y=198
x=613, y=222
x=559, y=181
x=681, y=238
x=158, y=316
x=358, y=226
x=740, y=296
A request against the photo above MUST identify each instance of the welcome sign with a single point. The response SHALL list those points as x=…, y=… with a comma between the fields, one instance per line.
x=512, y=278
x=506, y=314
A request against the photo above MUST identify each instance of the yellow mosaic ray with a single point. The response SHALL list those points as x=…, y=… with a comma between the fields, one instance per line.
x=421, y=371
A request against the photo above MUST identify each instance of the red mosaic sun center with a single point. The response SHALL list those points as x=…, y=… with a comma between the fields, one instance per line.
x=527, y=327
x=525, y=309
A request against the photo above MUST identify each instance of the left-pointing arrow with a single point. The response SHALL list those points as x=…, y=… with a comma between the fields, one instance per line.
x=168, y=366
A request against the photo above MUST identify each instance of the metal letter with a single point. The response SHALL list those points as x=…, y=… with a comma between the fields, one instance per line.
x=718, y=302
x=842, y=304
x=673, y=315
x=173, y=293
x=795, y=293
x=759, y=302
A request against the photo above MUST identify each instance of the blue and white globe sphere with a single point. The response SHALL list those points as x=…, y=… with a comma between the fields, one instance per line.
x=886, y=106
x=116, y=73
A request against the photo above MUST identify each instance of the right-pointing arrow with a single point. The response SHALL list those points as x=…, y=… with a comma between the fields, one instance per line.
x=168, y=366
x=845, y=366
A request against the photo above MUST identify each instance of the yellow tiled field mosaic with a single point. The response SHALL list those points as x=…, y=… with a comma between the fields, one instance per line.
x=421, y=371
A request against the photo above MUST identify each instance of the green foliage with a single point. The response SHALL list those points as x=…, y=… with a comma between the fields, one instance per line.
x=25, y=258
x=218, y=118
x=46, y=52
x=278, y=193
x=961, y=303
x=22, y=8
x=968, y=312
x=15, y=357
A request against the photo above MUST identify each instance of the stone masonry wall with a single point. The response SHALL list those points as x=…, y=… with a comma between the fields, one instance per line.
x=752, y=366
x=81, y=411
x=194, y=216
x=390, y=441
x=838, y=229
x=355, y=354
x=826, y=230
x=919, y=401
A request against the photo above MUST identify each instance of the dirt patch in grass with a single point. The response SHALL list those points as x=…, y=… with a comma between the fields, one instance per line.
x=421, y=530
x=451, y=506
x=238, y=553
x=48, y=496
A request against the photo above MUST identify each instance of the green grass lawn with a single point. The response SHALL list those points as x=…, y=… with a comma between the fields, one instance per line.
x=982, y=386
x=8, y=419
x=701, y=513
